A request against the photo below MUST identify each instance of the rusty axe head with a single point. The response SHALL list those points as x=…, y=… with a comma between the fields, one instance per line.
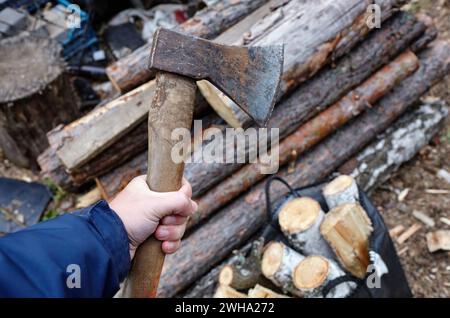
x=248, y=75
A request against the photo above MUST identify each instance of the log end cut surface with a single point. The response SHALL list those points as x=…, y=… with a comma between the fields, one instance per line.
x=27, y=65
x=272, y=259
x=338, y=185
x=311, y=272
x=298, y=214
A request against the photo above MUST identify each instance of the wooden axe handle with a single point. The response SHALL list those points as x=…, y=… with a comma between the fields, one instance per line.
x=172, y=107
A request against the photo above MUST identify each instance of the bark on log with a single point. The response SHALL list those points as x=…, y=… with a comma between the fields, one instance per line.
x=313, y=96
x=314, y=273
x=312, y=32
x=347, y=229
x=380, y=159
x=341, y=190
x=35, y=96
x=300, y=220
x=310, y=133
x=213, y=241
x=246, y=272
x=132, y=70
x=278, y=264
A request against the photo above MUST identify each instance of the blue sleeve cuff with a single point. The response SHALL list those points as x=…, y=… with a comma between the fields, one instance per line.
x=112, y=230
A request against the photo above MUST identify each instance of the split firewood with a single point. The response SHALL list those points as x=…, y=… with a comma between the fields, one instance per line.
x=396, y=231
x=347, y=229
x=408, y=233
x=313, y=273
x=246, y=272
x=225, y=291
x=246, y=214
x=300, y=220
x=438, y=240
x=400, y=141
x=341, y=190
x=278, y=264
x=132, y=70
x=315, y=95
x=35, y=95
x=262, y=292
x=425, y=219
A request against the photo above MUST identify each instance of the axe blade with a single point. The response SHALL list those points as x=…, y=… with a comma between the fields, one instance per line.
x=250, y=76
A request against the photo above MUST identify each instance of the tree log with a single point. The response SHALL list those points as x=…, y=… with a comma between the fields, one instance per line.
x=132, y=70
x=236, y=222
x=347, y=229
x=314, y=273
x=341, y=190
x=396, y=146
x=278, y=264
x=313, y=96
x=35, y=96
x=246, y=272
x=333, y=28
x=300, y=220
x=262, y=292
x=310, y=133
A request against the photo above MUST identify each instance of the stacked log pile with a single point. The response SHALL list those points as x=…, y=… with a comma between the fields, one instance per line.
x=347, y=104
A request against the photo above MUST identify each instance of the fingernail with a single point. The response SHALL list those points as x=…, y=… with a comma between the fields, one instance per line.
x=163, y=233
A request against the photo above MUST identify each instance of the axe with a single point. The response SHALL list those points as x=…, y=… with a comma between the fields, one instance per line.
x=248, y=75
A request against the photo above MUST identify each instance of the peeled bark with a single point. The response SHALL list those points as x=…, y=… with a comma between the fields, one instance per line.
x=35, y=96
x=380, y=159
x=236, y=222
x=347, y=229
x=300, y=220
x=132, y=70
x=310, y=133
x=312, y=97
x=341, y=190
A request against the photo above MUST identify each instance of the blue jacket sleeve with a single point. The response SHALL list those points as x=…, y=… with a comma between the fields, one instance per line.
x=81, y=254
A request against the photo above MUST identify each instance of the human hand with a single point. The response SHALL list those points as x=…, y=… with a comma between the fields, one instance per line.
x=145, y=212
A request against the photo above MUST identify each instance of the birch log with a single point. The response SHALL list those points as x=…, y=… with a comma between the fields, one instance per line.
x=341, y=190
x=314, y=273
x=278, y=264
x=236, y=222
x=347, y=229
x=132, y=70
x=380, y=159
x=300, y=220
x=313, y=96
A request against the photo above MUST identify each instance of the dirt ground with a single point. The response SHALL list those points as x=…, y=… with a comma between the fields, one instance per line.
x=428, y=274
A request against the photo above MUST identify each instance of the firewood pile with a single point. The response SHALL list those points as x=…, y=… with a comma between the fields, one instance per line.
x=349, y=102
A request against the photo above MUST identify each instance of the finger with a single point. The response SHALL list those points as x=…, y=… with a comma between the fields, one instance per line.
x=170, y=247
x=173, y=203
x=170, y=232
x=173, y=220
x=186, y=188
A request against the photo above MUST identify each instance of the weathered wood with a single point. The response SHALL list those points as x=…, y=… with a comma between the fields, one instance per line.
x=347, y=229
x=310, y=133
x=207, y=246
x=132, y=70
x=314, y=33
x=396, y=146
x=35, y=96
x=438, y=241
x=310, y=98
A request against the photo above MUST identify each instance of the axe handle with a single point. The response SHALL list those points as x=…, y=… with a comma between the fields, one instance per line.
x=172, y=107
